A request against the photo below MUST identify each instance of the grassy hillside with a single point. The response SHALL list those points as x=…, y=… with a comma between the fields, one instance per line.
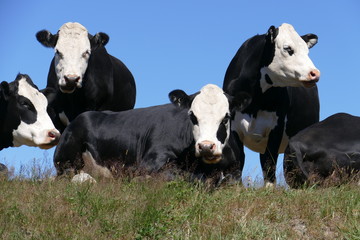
x=154, y=209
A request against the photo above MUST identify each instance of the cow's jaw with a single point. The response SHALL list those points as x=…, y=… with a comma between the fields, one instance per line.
x=72, y=53
x=291, y=65
x=36, y=127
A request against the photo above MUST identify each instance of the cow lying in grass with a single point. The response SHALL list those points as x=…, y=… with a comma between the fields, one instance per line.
x=327, y=152
x=191, y=135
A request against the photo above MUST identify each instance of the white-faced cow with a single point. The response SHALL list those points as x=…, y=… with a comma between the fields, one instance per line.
x=23, y=116
x=273, y=68
x=83, y=76
x=327, y=152
x=192, y=134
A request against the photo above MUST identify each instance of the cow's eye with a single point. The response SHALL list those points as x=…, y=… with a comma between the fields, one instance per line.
x=193, y=118
x=86, y=54
x=225, y=119
x=26, y=105
x=289, y=50
x=59, y=54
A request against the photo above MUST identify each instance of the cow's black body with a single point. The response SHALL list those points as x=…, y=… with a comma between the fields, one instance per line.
x=330, y=148
x=143, y=141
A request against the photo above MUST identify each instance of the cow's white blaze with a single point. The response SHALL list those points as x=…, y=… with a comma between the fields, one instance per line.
x=37, y=133
x=72, y=52
x=291, y=65
x=210, y=107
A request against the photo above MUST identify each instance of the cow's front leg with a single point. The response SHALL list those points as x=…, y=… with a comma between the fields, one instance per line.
x=269, y=158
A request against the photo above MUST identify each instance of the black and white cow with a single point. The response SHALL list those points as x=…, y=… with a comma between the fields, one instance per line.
x=83, y=76
x=147, y=140
x=23, y=116
x=328, y=150
x=273, y=68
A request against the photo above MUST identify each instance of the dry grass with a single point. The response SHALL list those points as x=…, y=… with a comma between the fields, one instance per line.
x=154, y=209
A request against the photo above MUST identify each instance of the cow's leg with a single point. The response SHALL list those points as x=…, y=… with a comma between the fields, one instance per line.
x=234, y=151
x=269, y=158
x=154, y=161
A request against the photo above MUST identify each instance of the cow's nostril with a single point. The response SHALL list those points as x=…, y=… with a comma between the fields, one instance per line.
x=51, y=134
x=72, y=78
x=314, y=75
x=206, y=146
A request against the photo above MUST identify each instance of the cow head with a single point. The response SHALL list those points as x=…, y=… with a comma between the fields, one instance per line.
x=286, y=59
x=210, y=112
x=24, y=119
x=73, y=45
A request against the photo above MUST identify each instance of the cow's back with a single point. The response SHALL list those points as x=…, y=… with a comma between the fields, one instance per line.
x=322, y=149
x=124, y=87
x=145, y=137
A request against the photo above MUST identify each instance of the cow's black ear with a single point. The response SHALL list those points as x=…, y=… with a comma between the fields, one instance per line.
x=180, y=98
x=46, y=38
x=50, y=93
x=4, y=90
x=100, y=39
x=240, y=101
x=310, y=39
x=272, y=33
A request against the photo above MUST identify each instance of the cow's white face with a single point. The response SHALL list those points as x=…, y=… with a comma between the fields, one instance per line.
x=291, y=65
x=210, y=115
x=36, y=127
x=210, y=112
x=72, y=53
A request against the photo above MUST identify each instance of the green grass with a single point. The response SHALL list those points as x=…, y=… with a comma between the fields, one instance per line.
x=155, y=209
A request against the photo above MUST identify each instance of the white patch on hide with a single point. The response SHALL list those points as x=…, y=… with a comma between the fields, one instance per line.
x=254, y=132
x=64, y=119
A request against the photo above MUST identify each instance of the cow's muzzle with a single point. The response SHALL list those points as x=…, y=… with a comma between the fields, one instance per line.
x=312, y=78
x=71, y=82
x=53, y=137
x=207, y=149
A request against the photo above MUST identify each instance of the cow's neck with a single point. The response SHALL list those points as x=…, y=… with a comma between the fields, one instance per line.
x=255, y=82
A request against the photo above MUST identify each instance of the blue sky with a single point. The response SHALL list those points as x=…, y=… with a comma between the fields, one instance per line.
x=184, y=44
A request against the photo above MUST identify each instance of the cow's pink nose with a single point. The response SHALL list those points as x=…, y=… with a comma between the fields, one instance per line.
x=54, y=135
x=314, y=75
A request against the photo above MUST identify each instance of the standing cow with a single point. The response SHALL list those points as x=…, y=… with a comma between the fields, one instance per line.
x=274, y=68
x=194, y=129
x=83, y=76
x=23, y=116
x=325, y=152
